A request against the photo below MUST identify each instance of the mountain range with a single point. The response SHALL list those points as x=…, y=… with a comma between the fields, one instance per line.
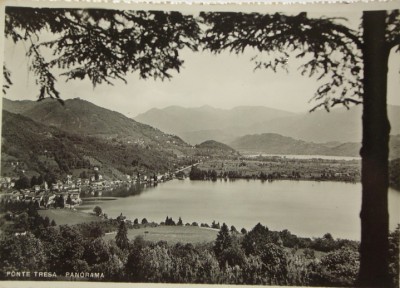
x=195, y=125
x=47, y=136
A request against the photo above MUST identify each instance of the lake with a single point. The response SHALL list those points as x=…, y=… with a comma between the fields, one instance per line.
x=305, y=208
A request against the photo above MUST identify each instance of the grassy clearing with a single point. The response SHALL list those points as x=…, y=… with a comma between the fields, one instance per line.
x=67, y=216
x=172, y=234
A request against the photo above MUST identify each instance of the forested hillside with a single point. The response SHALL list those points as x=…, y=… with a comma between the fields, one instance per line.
x=42, y=149
x=215, y=148
x=84, y=118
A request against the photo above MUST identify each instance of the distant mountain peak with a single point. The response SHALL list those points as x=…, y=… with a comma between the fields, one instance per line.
x=191, y=121
x=208, y=107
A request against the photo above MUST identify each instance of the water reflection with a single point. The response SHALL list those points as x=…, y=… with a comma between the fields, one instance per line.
x=126, y=190
x=306, y=208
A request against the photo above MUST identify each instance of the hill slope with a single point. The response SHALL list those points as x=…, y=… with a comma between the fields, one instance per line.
x=84, y=118
x=18, y=106
x=271, y=143
x=42, y=149
x=215, y=149
x=320, y=126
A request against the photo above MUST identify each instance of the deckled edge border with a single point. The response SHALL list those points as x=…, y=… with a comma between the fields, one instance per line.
x=207, y=2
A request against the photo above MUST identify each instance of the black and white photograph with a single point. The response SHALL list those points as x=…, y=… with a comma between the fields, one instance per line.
x=200, y=144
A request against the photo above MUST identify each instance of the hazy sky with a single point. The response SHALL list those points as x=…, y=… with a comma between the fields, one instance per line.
x=224, y=81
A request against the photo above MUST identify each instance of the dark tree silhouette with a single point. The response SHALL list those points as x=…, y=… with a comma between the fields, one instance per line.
x=34, y=181
x=355, y=64
x=223, y=241
x=69, y=201
x=180, y=223
x=125, y=41
x=22, y=183
x=7, y=79
x=121, y=239
x=98, y=211
x=256, y=239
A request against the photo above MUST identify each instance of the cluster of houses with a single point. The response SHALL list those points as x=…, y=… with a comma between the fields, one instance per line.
x=67, y=192
x=60, y=194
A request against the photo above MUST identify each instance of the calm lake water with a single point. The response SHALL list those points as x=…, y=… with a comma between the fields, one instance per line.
x=305, y=208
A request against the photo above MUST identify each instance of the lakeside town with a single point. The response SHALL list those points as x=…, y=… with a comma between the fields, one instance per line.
x=69, y=191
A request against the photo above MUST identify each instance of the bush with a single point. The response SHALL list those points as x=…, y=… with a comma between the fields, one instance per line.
x=21, y=253
x=339, y=268
x=275, y=260
x=97, y=210
x=255, y=240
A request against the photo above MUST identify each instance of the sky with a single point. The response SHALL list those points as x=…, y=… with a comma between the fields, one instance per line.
x=223, y=81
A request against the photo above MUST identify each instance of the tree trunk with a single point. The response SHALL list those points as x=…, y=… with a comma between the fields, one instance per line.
x=374, y=152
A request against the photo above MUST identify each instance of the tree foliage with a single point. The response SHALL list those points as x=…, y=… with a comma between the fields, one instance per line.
x=21, y=253
x=97, y=210
x=223, y=241
x=275, y=260
x=340, y=268
x=328, y=47
x=122, y=236
x=71, y=250
x=255, y=239
x=331, y=51
x=96, y=252
x=74, y=247
x=6, y=79
x=125, y=41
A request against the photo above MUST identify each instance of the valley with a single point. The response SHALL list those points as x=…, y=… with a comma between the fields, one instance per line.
x=53, y=140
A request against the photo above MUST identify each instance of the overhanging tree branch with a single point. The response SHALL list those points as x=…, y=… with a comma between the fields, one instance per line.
x=123, y=41
x=334, y=49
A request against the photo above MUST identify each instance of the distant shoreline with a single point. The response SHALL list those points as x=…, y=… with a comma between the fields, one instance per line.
x=107, y=198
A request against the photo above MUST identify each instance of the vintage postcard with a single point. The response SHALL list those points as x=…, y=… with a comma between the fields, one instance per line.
x=200, y=144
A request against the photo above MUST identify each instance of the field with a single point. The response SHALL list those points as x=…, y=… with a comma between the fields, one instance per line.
x=172, y=234
x=67, y=216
